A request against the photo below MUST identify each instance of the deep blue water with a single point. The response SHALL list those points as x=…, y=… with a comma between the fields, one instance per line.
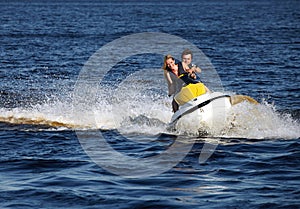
x=254, y=47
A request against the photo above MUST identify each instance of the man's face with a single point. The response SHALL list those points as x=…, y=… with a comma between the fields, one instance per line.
x=187, y=59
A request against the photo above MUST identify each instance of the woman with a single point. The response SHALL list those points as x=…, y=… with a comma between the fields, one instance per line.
x=180, y=75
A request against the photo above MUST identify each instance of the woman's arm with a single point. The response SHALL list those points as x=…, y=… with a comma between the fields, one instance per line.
x=171, y=87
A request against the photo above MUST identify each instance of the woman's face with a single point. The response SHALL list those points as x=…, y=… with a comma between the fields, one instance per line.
x=170, y=63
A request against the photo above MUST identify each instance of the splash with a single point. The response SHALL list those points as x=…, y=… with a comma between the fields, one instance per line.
x=150, y=115
x=261, y=121
x=139, y=106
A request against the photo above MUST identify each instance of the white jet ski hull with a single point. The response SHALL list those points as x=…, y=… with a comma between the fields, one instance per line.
x=208, y=110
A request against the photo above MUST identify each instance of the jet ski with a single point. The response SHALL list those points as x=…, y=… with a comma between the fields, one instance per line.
x=209, y=110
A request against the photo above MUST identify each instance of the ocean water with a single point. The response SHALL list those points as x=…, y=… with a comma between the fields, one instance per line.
x=108, y=145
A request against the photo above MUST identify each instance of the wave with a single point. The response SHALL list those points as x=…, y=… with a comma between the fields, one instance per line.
x=51, y=115
x=36, y=121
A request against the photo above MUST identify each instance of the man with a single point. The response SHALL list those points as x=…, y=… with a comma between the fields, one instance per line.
x=187, y=57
